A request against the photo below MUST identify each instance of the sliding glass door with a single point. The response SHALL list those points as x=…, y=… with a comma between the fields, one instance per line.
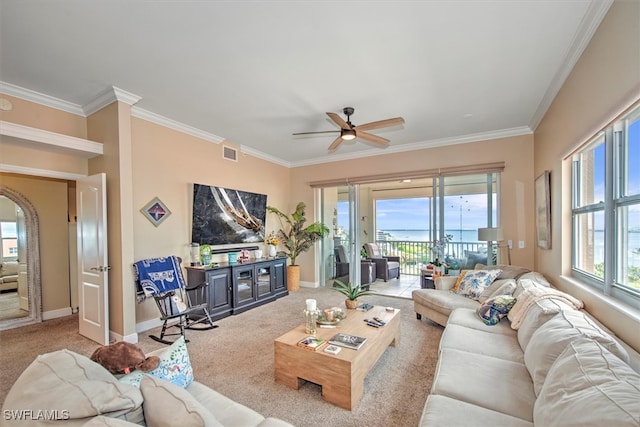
x=407, y=218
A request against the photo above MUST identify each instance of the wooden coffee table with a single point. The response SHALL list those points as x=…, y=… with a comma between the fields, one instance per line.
x=342, y=375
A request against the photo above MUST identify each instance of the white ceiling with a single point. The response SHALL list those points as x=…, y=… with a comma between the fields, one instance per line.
x=254, y=72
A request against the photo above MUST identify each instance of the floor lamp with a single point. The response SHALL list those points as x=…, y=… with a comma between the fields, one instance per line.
x=491, y=235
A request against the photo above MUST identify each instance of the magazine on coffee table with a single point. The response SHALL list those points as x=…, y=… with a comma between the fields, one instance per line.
x=348, y=341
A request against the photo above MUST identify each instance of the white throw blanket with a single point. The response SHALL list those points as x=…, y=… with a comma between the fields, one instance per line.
x=533, y=294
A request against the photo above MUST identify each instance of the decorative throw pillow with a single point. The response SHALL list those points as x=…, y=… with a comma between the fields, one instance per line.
x=458, y=280
x=175, y=365
x=494, y=309
x=476, y=281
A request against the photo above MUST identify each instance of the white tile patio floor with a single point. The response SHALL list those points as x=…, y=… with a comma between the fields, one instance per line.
x=397, y=287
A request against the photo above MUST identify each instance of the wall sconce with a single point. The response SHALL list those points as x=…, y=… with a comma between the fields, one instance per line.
x=491, y=235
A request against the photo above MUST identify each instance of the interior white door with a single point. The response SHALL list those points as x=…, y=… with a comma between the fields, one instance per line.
x=93, y=266
x=23, y=287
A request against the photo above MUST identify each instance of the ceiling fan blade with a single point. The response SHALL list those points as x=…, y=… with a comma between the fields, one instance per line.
x=338, y=120
x=381, y=124
x=375, y=139
x=313, y=133
x=335, y=144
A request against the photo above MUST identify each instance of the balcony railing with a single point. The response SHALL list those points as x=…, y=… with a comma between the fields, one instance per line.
x=414, y=255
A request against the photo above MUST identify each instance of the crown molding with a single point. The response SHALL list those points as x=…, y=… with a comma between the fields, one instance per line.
x=108, y=97
x=175, y=125
x=40, y=98
x=590, y=23
x=465, y=139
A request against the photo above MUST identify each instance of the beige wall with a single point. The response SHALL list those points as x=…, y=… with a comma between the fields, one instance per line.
x=166, y=165
x=28, y=113
x=49, y=198
x=516, y=194
x=604, y=81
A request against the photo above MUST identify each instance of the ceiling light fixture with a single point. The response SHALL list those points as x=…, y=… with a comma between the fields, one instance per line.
x=347, y=134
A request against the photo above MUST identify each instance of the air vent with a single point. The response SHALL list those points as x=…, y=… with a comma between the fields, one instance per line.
x=229, y=153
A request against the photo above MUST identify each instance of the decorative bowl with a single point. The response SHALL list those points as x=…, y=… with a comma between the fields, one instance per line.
x=324, y=319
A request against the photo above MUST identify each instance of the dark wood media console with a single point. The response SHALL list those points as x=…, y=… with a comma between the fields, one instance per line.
x=237, y=287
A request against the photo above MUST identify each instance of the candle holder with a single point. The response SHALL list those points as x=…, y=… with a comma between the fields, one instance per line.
x=310, y=317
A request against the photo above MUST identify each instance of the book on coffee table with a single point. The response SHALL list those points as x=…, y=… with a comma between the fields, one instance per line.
x=348, y=341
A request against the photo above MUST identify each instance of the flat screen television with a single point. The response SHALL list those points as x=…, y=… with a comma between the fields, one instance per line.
x=223, y=216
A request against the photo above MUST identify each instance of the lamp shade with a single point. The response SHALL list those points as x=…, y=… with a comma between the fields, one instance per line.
x=490, y=234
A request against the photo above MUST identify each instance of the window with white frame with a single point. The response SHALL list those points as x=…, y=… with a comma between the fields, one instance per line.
x=606, y=210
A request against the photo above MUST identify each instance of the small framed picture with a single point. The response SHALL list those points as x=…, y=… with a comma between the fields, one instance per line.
x=156, y=211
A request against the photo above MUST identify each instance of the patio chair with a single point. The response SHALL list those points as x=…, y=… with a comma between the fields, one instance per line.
x=181, y=306
x=387, y=267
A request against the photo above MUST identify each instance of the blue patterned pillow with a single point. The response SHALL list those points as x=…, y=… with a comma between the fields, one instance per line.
x=476, y=281
x=494, y=309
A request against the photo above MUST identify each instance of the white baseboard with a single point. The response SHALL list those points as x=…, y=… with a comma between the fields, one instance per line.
x=148, y=324
x=309, y=284
x=53, y=314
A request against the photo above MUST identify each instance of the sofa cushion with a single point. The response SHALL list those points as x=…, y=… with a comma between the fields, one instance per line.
x=166, y=404
x=102, y=421
x=553, y=337
x=475, y=282
x=67, y=381
x=472, y=377
x=495, y=309
x=445, y=411
x=501, y=346
x=227, y=411
x=469, y=319
x=442, y=301
x=539, y=313
x=587, y=380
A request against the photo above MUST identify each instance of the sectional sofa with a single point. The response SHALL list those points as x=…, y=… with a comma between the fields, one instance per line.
x=560, y=367
x=66, y=388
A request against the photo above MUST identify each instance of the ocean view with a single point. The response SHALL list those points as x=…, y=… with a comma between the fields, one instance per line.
x=472, y=236
x=423, y=235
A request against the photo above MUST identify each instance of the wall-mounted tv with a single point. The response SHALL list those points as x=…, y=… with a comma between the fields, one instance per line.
x=223, y=216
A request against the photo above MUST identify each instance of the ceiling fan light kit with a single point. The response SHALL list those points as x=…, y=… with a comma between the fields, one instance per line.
x=349, y=132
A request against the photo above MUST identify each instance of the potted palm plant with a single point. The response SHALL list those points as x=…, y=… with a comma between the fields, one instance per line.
x=351, y=292
x=297, y=238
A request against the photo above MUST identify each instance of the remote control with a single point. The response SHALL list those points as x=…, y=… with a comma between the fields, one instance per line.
x=371, y=323
x=379, y=320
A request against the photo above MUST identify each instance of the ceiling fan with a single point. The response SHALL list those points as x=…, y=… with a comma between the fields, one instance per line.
x=349, y=131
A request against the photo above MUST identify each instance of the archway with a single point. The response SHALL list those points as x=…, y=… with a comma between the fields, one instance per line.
x=34, y=284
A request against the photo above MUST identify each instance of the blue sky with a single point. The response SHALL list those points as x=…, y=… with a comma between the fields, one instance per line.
x=413, y=214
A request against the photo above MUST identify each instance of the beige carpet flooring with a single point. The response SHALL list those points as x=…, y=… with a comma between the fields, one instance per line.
x=236, y=359
x=9, y=307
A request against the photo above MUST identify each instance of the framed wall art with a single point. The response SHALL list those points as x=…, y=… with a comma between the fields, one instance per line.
x=156, y=211
x=543, y=210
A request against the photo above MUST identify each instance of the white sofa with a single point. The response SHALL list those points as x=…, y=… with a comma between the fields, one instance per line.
x=76, y=391
x=9, y=276
x=559, y=368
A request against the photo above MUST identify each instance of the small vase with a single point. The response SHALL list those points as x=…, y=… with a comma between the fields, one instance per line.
x=272, y=251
